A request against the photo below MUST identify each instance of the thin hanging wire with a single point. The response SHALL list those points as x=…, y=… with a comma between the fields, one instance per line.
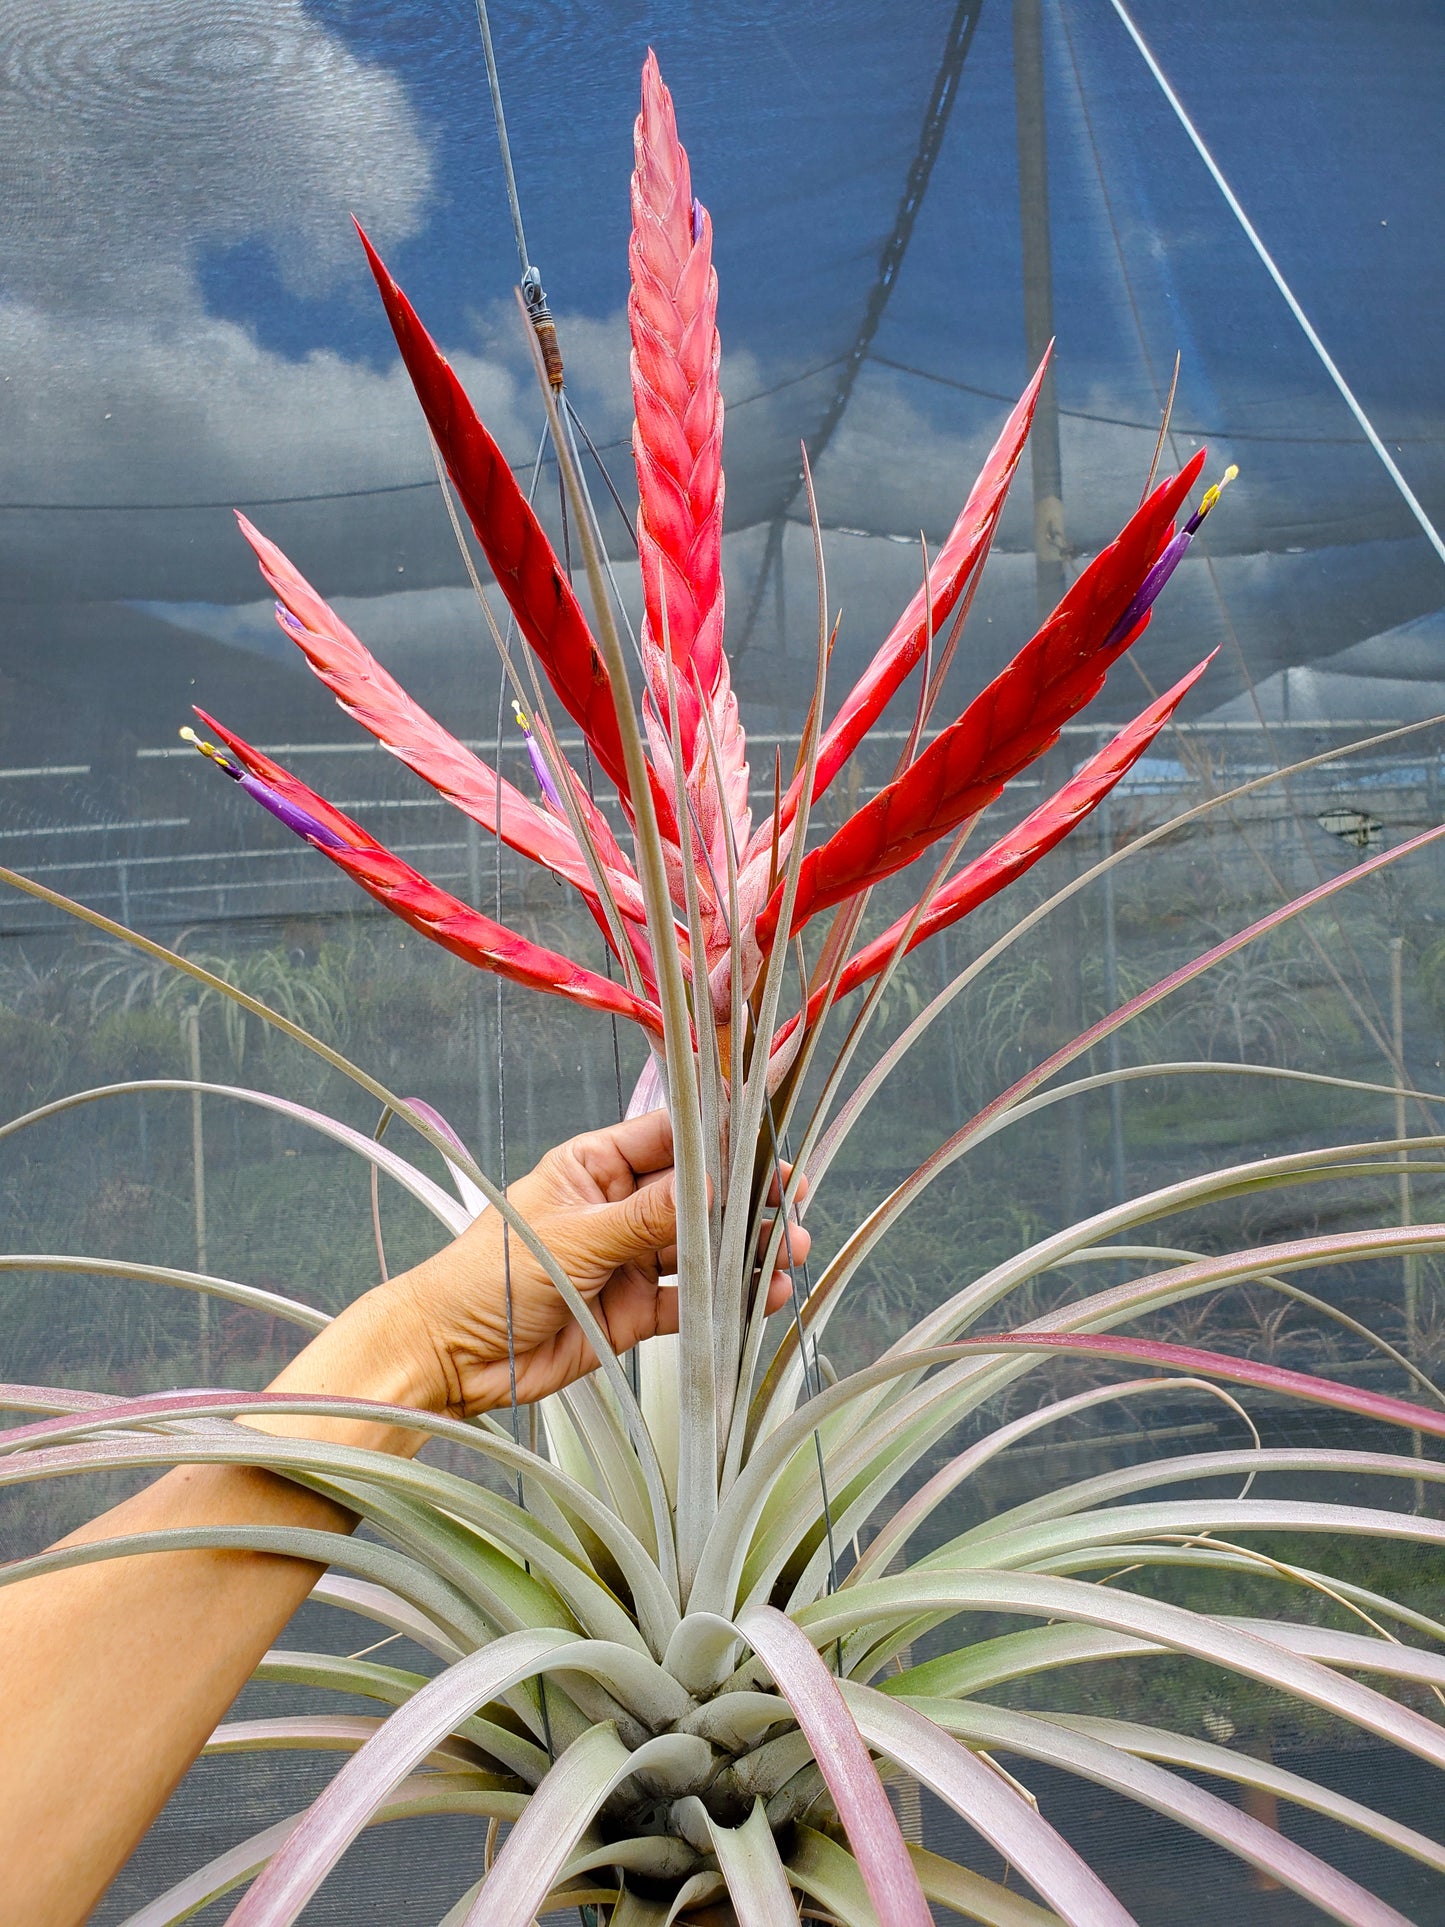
x=500, y=117
x=1364, y=1001
x=1231, y=200
x=806, y=1353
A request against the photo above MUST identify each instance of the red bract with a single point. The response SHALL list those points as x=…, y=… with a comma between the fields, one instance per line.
x=1019, y=849
x=513, y=540
x=1004, y=729
x=697, y=772
x=368, y=692
x=955, y=570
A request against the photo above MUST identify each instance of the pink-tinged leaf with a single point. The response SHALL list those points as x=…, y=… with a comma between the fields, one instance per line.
x=50, y=1398
x=1004, y=729
x=434, y=912
x=470, y=1196
x=1200, y=1756
x=843, y=1760
x=369, y=694
x=990, y=1806
x=512, y=539
x=956, y=567
x=1017, y=851
x=1380, y=1406
x=1163, y=1792
x=424, y=1793
x=368, y=1779
x=940, y=1592
x=383, y=1608
x=986, y=1119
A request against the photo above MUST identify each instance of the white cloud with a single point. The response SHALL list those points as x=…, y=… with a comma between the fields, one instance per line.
x=137, y=132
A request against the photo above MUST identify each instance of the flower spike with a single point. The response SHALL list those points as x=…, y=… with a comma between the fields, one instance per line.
x=677, y=441
x=725, y=879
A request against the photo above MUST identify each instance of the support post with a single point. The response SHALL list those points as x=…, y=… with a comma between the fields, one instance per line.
x=481, y=1029
x=191, y=1032
x=1046, y=468
x=1038, y=277
x=1409, y=1263
x=1111, y=998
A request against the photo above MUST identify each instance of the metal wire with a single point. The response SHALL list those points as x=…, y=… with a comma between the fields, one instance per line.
x=499, y=116
x=1231, y=200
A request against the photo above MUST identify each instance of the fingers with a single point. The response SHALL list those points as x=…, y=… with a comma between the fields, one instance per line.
x=793, y=1246
x=780, y=1292
x=631, y=1231
x=616, y=1159
x=775, y=1189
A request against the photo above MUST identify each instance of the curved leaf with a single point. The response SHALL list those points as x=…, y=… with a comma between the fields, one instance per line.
x=656, y=1611
x=842, y=1758
x=422, y=1188
x=1151, y=1786
x=426, y=1793
x=367, y=1780
x=993, y=1808
x=757, y=1883
x=253, y=1297
x=385, y=1609
x=395, y=1686
x=828, y=1873
x=1203, y=1756
x=942, y=1594
x=431, y=1597
x=557, y=1815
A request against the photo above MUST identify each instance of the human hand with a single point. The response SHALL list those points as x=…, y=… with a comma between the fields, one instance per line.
x=605, y=1205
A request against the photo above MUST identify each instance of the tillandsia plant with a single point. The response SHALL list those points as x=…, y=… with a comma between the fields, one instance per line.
x=676, y=1665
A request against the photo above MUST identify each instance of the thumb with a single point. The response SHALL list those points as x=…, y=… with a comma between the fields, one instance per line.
x=633, y=1230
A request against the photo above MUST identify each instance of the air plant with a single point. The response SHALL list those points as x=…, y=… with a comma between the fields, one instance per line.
x=680, y=1669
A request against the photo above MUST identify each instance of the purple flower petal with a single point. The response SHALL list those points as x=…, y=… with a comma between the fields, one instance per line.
x=295, y=818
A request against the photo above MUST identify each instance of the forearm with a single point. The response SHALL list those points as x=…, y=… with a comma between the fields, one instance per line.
x=143, y=1656
x=113, y=1675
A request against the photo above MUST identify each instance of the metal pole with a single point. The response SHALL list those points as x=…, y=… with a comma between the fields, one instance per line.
x=481, y=1029
x=1047, y=471
x=191, y=1033
x=1038, y=290
x=1409, y=1264
x=1111, y=998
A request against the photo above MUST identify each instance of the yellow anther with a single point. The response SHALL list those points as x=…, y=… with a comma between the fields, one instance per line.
x=1213, y=493
x=521, y=715
x=188, y=735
